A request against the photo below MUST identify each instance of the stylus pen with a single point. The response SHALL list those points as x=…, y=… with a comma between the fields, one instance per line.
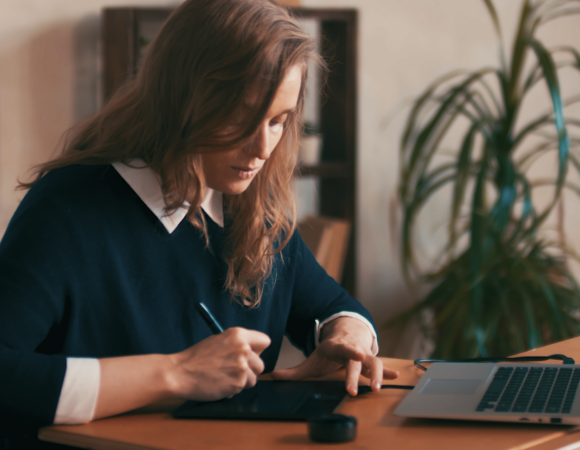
x=209, y=318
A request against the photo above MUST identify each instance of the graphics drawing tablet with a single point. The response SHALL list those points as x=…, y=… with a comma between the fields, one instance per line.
x=271, y=400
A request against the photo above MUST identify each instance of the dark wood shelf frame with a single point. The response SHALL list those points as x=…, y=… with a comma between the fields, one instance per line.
x=337, y=170
x=324, y=170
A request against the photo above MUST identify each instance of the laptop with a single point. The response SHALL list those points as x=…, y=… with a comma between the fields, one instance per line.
x=271, y=400
x=525, y=393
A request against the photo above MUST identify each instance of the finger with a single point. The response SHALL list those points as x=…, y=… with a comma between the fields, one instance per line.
x=258, y=341
x=340, y=352
x=353, y=369
x=376, y=373
x=234, y=388
x=255, y=363
x=389, y=374
x=299, y=372
x=251, y=380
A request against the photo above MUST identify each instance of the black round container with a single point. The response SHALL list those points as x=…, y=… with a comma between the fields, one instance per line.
x=332, y=428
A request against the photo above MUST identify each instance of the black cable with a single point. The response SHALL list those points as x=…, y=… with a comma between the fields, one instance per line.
x=565, y=360
x=367, y=389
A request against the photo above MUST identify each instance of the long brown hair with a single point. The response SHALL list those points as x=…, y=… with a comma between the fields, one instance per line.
x=194, y=78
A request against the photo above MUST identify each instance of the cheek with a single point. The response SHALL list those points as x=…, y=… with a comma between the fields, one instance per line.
x=216, y=165
x=211, y=165
x=214, y=161
x=275, y=140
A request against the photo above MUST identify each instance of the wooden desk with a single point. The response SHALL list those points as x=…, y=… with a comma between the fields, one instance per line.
x=377, y=427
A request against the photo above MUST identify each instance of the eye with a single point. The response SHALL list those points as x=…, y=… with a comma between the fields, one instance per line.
x=276, y=126
x=278, y=123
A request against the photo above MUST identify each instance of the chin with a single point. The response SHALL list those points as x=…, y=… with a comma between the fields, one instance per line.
x=233, y=189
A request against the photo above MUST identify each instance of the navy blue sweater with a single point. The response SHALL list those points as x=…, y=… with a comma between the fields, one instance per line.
x=87, y=270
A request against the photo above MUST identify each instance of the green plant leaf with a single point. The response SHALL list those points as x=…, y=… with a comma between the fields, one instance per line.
x=574, y=53
x=534, y=153
x=506, y=177
x=549, y=69
x=496, y=25
x=499, y=108
x=555, y=15
x=477, y=247
x=420, y=104
x=528, y=211
x=462, y=177
x=410, y=211
x=518, y=60
x=533, y=331
x=430, y=131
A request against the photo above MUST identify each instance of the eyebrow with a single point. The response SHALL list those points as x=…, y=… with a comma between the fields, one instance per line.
x=286, y=111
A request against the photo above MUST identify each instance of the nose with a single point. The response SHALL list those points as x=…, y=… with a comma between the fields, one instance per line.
x=259, y=147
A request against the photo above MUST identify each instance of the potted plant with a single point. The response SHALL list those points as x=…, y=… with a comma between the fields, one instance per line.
x=500, y=286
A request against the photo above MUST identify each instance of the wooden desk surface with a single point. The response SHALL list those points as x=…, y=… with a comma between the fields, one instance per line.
x=154, y=428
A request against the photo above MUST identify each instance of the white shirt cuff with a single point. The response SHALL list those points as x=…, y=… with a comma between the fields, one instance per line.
x=79, y=393
x=319, y=325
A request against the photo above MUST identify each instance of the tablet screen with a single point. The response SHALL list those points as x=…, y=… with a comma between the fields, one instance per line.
x=271, y=400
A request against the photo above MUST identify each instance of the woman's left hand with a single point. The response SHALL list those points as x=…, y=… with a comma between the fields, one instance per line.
x=343, y=342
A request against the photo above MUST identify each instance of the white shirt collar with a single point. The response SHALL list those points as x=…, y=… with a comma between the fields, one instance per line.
x=147, y=185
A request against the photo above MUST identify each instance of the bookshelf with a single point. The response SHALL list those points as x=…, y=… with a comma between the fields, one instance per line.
x=332, y=181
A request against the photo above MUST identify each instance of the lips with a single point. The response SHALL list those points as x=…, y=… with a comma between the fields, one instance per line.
x=246, y=172
x=246, y=169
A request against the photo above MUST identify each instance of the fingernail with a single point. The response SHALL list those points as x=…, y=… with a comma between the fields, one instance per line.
x=377, y=385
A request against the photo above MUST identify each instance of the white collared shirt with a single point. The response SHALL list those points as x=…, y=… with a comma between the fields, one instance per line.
x=80, y=389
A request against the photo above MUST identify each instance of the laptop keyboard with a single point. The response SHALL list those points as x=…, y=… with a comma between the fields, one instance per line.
x=531, y=389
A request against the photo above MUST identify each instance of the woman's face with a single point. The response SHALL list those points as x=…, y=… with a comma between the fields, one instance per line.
x=232, y=171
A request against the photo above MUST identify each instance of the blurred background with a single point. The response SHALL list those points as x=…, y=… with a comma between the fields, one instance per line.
x=51, y=76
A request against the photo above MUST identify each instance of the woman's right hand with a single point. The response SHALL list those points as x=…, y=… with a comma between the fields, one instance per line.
x=220, y=366
x=215, y=368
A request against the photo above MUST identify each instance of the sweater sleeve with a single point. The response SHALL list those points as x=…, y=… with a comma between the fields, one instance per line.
x=319, y=325
x=316, y=296
x=80, y=391
x=32, y=306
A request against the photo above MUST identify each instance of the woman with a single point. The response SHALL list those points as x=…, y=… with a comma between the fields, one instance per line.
x=178, y=191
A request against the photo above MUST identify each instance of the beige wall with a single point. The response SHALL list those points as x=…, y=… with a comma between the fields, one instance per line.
x=49, y=76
